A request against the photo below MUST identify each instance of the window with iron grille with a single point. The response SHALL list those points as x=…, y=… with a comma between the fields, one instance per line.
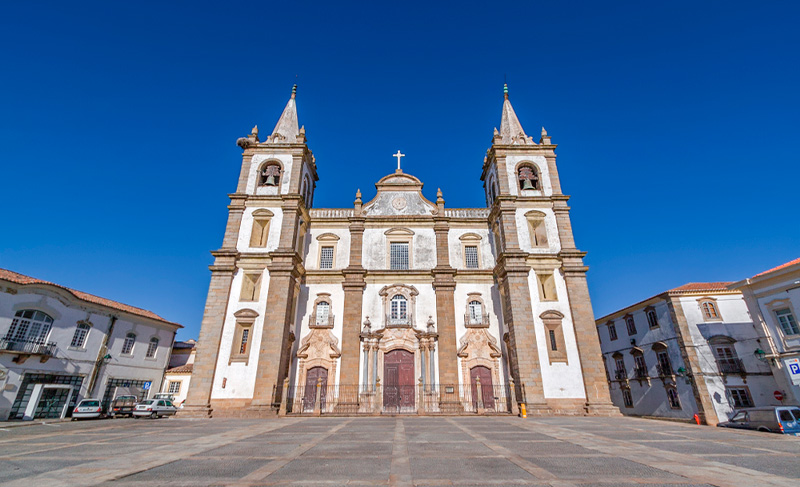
x=627, y=398
x=79, y=338
x=471, y=256
x=127, y=345
x=620, y=363
x=674, y=398
x=152, y=347
x=398, y=255
x=243, y=343
x=740, y=397
x=787, y=321
x=326, y=257
x=30, y=325
x=174, y=387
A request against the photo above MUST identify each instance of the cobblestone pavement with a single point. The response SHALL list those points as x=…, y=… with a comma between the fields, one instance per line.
x=422, y=451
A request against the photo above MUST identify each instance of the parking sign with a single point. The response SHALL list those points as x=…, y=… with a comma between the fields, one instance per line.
x=146, y=385
x=793, y=365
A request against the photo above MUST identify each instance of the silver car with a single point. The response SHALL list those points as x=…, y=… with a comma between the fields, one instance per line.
x=88, y=408
x=154, y=408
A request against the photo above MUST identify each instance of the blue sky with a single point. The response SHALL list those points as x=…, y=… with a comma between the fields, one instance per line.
x=676, y=124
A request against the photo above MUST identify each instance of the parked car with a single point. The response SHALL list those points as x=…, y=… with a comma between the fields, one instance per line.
x=774, y=419
x=154, y=408
x=165, y=395
x=88, y=408
x=123, y=406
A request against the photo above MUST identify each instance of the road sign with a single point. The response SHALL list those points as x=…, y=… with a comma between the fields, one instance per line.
x=778, y=395
x=146, y=385
x=793, y=366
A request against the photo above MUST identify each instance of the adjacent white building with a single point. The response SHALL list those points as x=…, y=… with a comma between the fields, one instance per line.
x=179, y=373
x=60, y=345
x=690, y=350
x=773, y=298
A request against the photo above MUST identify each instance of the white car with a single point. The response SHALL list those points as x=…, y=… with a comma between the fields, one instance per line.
x=154, y=408
x=88, y=408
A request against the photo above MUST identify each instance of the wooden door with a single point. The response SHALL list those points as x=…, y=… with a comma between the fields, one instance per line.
x=398, y=377
x=487, y=388
x=310, y=394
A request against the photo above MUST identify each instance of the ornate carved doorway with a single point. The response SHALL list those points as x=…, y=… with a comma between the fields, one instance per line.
x=487, y=390
x=310, y=394
x=398, y=376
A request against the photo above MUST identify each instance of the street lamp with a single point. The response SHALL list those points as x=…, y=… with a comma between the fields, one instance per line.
x=760, y=355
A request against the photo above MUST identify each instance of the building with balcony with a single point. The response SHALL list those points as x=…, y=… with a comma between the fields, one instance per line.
x=773, y=299
x=59, y=345
x=690, y=350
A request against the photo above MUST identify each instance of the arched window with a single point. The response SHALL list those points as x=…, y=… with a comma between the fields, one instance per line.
x=475, y=312
x=528, y=177
x=79, y=338
x=630, y=325
x=399, y=309
x=30, y=325
x=152, y=347
x=127, y=345
x=709, y=309
x=269, y=175
x=323, y=312
x=652, y=319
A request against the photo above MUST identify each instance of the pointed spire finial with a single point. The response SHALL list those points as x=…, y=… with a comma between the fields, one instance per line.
x=294, y=90
x=544, y=132
x=505, y=91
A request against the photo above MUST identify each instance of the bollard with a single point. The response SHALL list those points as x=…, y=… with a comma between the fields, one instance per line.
x=514, y=404
x=479, y=392
x=523, y=410
x=697, y=419
x=317, y=407
x=284, y=397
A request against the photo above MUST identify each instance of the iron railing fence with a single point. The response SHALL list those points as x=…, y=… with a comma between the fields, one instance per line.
x=420, y=399
x=664, y=370
x=33, y=347
x=620, y=374
x=640, y=373
x=730, y=366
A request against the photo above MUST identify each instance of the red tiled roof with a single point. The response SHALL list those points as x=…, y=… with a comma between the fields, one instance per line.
x=17, y=278
x=782, y=266
x=181, y=369
x=698, y=287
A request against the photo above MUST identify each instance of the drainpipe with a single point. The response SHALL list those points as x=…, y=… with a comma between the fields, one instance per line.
x=101, y=353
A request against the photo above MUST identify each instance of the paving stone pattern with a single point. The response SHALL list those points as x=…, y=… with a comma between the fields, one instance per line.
x=405, y=450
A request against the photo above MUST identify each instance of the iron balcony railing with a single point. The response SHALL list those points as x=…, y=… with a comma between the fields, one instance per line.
x=398, y=319
x=419, y=399
x=640, y=373
x=730, y=366
x=664, y=370
x=33, y=347
x=476, y=320
x=620, y=374
x=326, y=321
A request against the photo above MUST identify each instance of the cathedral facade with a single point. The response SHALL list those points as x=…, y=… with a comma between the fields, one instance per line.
x=397, y=304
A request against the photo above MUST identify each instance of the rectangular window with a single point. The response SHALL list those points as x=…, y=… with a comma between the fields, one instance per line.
x=612, y=331
x=174, y=387
x=787, y=321
x=547, y=286
x=243, y=342
x=398, y=255
x=664, y=364
x=631, y=325
x=553, y=345
x=471, y=256
x=740, y=397
x=240, y=346
x=251, y=283
x=627, y=398
x=326, y=257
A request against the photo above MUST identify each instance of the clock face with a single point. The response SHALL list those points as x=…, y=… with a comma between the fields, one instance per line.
x=399, y=203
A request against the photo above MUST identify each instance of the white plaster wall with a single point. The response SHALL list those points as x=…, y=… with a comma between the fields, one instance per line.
x=184, y=379
x=487, y=259
x=66, y=312
x=240, y=376
x=524, y=234
x=492, y=305
x=789, y=345
x=342, y=258
x=376, y=248
x=286, y=174
x=560, y=380
x=246, y=230
x=544, y=175
x=305, y=308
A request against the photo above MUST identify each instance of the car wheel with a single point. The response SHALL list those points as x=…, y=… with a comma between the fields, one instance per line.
x=153, y=415
x=765, y=430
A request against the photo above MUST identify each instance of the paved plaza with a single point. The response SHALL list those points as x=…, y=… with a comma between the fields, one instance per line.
x=422, y=451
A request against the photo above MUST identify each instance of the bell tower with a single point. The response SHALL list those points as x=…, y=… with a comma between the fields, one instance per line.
x=537, y=260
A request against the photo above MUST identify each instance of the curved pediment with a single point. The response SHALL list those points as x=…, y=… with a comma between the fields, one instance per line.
x=399, y=194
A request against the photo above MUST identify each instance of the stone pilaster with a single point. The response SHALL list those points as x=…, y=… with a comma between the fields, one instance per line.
x=198, y=399
x=353, y=286
x=444, y=285
x=692, y=362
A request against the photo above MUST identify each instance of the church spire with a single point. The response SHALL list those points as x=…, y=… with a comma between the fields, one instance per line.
x=511, y=132
x=287, y=129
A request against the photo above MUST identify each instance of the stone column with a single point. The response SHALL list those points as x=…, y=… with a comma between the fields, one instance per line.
x=598, y=398
x=702, y=397
x=353, y=286
x=198, y=399
x=444, y=285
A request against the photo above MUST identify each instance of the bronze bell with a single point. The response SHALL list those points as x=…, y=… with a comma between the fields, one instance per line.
x=270, y=181
x=526, y=184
